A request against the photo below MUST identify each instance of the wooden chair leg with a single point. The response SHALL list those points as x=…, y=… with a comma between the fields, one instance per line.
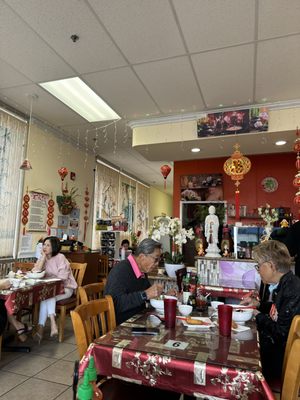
x=62, y=320
x=35, y=316
x=0, y=345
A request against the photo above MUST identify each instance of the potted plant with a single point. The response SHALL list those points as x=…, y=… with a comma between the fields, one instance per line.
x=67, y=201
x=167, y=226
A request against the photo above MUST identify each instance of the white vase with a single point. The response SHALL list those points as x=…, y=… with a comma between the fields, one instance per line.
x=172, y=268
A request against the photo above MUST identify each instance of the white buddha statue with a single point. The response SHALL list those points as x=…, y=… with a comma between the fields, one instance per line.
x=211, y=233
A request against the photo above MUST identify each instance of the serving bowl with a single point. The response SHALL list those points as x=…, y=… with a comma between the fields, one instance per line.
x=185, y=309
x=241, y=316
x=158, y=304
x=215, y=304
x=36, y=275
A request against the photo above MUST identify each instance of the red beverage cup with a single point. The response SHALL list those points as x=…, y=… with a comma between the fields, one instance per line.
x=225, y=319
x=170, y=312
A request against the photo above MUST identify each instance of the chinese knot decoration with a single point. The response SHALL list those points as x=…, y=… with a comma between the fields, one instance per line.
x=296, y=181
x=25, y=212
x=237, y=166
x=86, y=206
x=165, y=170
x=63, y=172
x=50, y=214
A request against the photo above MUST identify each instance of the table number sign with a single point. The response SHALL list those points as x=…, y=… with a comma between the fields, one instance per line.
x=176, y=345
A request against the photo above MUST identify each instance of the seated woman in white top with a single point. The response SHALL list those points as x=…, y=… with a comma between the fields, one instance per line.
x=56, y=266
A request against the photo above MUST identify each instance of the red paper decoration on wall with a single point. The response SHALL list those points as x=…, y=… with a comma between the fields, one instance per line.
x=165, y=170
x=63, y=172
x=25, y=212
x=50, y=214
x=86, y=206
x=296, y=181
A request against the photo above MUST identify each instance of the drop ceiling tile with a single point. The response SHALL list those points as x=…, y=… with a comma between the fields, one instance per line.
x=277, y=77
x=171, y=84
x=226, y=76
x=122, y=90
x=143, y=30
x=45, y=107
x=10, y=77
x=74, y=17
x=34, y=58
x=211, y=24
x=278, y=18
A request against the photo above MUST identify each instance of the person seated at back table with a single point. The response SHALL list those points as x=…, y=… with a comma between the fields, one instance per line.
x=274, y=317
x=125, y=247
x=21, y=329
x=128, y=283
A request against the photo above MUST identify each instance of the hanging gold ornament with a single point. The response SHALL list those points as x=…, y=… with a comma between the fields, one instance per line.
x=237, y=166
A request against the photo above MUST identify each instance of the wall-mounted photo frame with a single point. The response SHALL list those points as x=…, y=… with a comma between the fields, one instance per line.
x=202, y=187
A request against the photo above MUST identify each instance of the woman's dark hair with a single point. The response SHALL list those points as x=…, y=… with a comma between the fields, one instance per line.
x=125, y=241
x=55, y=244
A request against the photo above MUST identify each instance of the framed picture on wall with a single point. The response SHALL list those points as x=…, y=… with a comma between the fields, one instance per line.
x=204, y=187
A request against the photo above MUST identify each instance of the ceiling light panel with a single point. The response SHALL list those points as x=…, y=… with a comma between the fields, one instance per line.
x=84, y=101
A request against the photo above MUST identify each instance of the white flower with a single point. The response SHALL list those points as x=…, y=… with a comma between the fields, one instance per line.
x=268, y=214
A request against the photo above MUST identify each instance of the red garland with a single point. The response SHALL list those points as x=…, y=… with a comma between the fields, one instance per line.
x=25, y=212
x=86, y=206
x=50, y=214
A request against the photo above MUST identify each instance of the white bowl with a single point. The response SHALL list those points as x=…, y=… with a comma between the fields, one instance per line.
x=185, y=309
x=158, y=304
x=215, y=304
x=15, y=282
x=242, y=316
x=36, y=275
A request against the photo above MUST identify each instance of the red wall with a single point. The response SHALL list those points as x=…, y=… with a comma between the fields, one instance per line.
x=280, y=166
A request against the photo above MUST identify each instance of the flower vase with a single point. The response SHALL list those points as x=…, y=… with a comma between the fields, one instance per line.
x=172, y=268
x=267, y=231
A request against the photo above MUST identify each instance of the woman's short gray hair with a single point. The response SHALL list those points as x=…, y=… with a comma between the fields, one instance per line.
x=147, y=246
x=275, y=252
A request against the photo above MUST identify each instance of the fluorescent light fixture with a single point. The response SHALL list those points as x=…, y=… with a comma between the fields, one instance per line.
x=83, y=100
x=280, y=142
x=195, y=150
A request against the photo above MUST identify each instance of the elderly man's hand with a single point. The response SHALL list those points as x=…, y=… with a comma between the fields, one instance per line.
x=5, y=284
x=154, y=291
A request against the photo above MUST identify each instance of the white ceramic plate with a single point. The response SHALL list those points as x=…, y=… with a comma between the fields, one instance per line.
x=36, y=275
x=203, y=319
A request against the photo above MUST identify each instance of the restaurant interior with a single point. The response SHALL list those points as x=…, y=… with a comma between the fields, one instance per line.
x=201, y=110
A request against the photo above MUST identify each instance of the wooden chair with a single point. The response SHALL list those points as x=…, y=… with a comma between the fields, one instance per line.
x=98, y=317
x=92, y=291
x=23, y=266
x=103, y=267
x=63, y=306
x=91, y=320
x=291, y=382
x=294, y=333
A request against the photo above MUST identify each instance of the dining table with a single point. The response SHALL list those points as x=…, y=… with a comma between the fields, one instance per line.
x=194, y=360
x=29, y=294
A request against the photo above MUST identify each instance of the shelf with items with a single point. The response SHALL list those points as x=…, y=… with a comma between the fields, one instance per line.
x=110, y=243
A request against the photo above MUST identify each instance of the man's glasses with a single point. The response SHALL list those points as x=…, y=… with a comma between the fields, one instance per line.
x=155, y=259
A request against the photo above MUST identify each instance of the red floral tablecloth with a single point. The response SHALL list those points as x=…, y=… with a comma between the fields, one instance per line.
x=224, y=291
x=210, y=365
x=16, y=299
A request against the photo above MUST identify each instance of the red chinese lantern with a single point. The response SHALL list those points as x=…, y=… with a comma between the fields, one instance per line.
x=63, y=172
x=165, y=170
x=296, y=181
x=237, y=166
x=297, y=199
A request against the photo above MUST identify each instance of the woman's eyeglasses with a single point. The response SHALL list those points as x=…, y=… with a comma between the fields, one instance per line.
x=256, y=267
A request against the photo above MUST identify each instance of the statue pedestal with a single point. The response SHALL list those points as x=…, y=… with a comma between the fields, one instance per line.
x=212, y=250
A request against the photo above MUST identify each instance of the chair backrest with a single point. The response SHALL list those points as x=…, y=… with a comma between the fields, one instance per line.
x=92, y=291
x=103, y=266
x=294, y=333
x=78, y=270
x=23, y=266
x=291, y=382
x=91, y=320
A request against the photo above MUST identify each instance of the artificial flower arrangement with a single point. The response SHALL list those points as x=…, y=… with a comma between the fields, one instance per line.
x=167, y=226
x=268, y=214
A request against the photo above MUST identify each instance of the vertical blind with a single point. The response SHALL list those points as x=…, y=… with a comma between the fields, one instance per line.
x=12, y=137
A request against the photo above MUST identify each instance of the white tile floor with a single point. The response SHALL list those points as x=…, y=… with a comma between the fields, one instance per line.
x=46, y=373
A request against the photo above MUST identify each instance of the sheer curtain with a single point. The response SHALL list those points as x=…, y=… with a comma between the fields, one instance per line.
x=12, y=137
